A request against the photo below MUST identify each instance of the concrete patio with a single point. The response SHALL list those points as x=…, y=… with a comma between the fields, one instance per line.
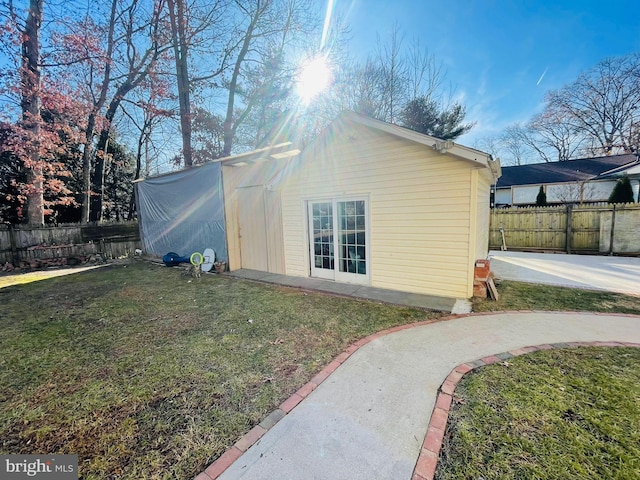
x=428, y=302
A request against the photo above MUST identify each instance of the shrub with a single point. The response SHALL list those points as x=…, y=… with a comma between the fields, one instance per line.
x=541, y=199
x=622, y=192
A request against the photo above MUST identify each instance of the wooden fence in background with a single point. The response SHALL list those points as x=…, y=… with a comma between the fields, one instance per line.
x=600, y=228
x=26, y=243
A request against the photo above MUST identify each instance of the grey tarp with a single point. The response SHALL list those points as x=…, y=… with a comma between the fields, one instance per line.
x=183, y=212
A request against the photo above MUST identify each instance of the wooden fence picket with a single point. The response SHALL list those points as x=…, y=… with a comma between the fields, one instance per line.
x=564, y=228
x=24, y=243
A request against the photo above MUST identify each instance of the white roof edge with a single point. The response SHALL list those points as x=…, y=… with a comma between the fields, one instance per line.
x=257, y=152
x=225, y=160
x=455, y=149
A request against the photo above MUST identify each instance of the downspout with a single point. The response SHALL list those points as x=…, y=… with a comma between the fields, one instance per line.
x=473, y=230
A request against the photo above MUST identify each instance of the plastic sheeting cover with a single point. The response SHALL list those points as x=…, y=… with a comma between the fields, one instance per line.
x=183, y=212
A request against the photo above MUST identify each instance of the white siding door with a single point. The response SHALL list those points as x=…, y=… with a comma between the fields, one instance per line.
x=339, y=240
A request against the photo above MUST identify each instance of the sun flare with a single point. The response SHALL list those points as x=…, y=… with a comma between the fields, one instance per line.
x=315, y=76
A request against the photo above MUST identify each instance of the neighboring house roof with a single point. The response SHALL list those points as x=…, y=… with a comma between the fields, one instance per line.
x=629, y=169
x=442, y=146
x=567, y=171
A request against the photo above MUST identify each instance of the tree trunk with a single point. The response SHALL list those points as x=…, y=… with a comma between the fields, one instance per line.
x=228, y=127
x=143, y=140
x=31, y=105
x=87, y=160
x=181, y=49
x=97, y=179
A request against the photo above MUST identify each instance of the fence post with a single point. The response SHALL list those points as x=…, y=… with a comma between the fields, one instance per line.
x=14, y=246
x=613, y=226
x=569, y=230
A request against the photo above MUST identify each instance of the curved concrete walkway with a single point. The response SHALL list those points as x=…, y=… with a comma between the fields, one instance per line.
x=368, y=419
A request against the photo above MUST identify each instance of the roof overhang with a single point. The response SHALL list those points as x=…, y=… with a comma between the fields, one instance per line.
x=275, y=152
x=272, y=152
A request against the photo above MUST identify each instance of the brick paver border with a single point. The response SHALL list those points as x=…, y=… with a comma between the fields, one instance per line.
x=428, y=458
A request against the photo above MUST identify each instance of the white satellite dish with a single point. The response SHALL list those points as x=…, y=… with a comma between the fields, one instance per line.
x=209, y=258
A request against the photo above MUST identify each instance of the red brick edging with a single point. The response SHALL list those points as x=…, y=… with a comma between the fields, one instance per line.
x=430, y=450
x=425, y=468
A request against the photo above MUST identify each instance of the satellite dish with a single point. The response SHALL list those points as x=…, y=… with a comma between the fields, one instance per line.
x=209, y=258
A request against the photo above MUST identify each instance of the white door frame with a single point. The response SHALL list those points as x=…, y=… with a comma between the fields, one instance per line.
x=329, y=258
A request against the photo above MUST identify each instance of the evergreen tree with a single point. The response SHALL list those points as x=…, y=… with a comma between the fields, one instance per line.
x=426, y=116
x=541, y=199
x=622, y=192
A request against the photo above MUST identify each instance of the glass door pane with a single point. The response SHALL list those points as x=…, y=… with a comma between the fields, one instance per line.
x=352, y=237
x=338, y=240
x=322, y=235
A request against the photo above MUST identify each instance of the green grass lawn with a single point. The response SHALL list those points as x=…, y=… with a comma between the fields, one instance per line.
x=527, y=296
x=569, y=414
x=147, y=373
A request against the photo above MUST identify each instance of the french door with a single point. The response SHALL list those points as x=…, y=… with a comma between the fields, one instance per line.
x=338, y=234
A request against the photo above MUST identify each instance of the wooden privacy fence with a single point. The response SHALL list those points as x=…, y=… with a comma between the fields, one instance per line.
x=26, y=245
x=600, y=228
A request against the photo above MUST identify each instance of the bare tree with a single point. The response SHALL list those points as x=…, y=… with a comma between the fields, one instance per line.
x=267, y=29
x=144, y=115
x=516, y=140
x=602, y=104
x=549, y=131
x=399, y=84
x=547, y=137
x=393, y=74
x=232, y=54
x=598, y=114
x=78, y=51
x=634, y=136
x=357, y=88
x=135, y=67
x=254, y=12
x=107, y=54
x=489, y=144
x=424, y=73
x=193, y=28
x=380, y=86
x=580, y=191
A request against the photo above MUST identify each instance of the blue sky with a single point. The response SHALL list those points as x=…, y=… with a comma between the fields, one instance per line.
x=495, y=52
